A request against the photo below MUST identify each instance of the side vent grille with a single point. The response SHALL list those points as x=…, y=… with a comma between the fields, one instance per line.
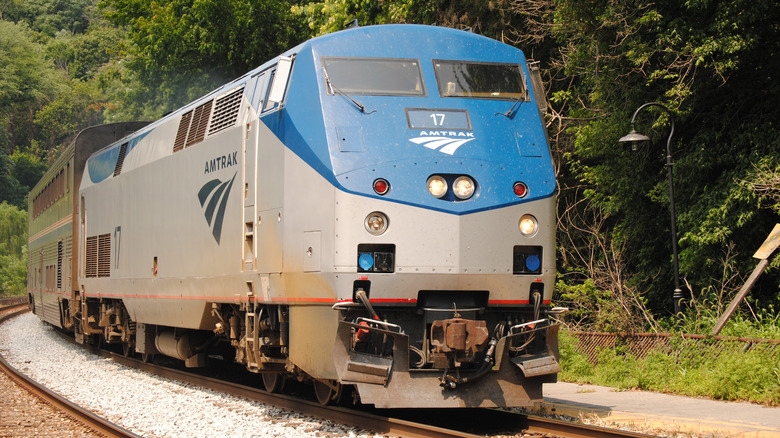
x=98, y=252
x=59, y=265
x=200, y=120
x=181, y=134
x=121, y=159
x=226, y=111
x=104, y=255
x=192, y=127
x=91, y=252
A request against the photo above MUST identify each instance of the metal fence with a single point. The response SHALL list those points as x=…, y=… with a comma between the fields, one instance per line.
x=681, y=346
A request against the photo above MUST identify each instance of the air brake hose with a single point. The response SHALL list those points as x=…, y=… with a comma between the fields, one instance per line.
x=451, y=382
x=361, y=295
x=362, y=334
x=537, y=304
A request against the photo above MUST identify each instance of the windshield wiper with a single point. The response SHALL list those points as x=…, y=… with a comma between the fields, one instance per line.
x=509, y=113
x=334, y=89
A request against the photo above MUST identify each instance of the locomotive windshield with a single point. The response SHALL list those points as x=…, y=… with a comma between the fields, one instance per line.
x=479, y=80
x=377, y=76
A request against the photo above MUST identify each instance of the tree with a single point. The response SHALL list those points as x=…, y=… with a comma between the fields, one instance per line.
x=611, y=57
x=51, y=16
x=13, y=250
x=183, y=48
x=27, y=80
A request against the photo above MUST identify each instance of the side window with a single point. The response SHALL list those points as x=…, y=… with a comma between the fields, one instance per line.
x=268, y=104
x=280, y=76
x=260, y=90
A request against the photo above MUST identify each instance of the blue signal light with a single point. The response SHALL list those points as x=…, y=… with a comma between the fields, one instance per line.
x=532, y=262
x=366, y=261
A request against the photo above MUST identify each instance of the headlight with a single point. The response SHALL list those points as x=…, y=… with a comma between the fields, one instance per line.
x=376, y=223
x=463, y=187
x=528, y=225
x=437, y=186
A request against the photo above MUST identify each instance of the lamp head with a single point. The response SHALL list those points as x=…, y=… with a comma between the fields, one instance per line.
x=634, y=138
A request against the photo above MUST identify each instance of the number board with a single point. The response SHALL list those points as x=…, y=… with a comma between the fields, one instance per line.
x=419, y=118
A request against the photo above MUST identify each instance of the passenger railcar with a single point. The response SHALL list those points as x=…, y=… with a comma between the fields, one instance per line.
x=374, y=210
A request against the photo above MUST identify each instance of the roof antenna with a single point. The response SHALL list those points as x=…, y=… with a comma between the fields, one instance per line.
x=353, y=23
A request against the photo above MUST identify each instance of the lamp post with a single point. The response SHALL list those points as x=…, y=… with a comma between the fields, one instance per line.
x=635, y=139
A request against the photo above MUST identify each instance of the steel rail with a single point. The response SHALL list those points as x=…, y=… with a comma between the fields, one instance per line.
x=12, y=301
x=364, y=420
x=395, y=422
x=81, y=415
x=576, y=430
x=502, y=422
x=399, y=422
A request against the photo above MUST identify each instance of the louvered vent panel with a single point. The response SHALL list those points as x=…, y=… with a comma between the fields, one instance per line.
x=104, y=255
x=59, y=265
x=181, y=134
x=120, y=159
x=92, y=256
x=200, y=120
x=226, y=111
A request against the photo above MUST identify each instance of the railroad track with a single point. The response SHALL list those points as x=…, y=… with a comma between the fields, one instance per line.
x=399, y=422
x=95, y=422
x=12, y=301
x=467, y=422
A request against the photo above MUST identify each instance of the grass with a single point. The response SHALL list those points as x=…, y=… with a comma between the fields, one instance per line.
x=686, y=370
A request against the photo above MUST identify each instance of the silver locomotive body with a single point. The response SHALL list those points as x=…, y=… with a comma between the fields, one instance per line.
x=253, y=224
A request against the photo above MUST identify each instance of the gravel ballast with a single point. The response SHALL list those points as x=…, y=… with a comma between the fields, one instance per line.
x=147, y=405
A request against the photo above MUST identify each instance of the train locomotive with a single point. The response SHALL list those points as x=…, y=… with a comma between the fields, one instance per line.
x=372, y=211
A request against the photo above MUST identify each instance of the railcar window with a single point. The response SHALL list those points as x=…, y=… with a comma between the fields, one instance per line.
x=479, y=80
x=373, y=76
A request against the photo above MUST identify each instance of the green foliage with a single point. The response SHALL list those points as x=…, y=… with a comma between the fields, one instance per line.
x=10, y=190
x=486, y=18
x=13, y=250
x=51, y=16
x=332, y=15
x=592, y=307
x=183, y=48
x=27, y=80
x=82, y=55
x=79, y=106
x=575, y=366
x=615, y=56
x=685, y=370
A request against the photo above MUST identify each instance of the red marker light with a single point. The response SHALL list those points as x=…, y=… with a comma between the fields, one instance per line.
x=381, y=186
x=520, y=189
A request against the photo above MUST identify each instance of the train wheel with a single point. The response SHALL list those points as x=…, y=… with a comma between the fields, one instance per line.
x=128, y=349
x=327, y=393
x=274, y=382
x=147, y=357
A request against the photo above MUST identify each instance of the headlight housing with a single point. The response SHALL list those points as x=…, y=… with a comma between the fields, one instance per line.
x=376, y=223
x=463, y=187
x=528, y=225
x=437, y=186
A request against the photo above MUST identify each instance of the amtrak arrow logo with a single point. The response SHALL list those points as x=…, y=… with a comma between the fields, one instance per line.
x=448, y=145
x=216, y=192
